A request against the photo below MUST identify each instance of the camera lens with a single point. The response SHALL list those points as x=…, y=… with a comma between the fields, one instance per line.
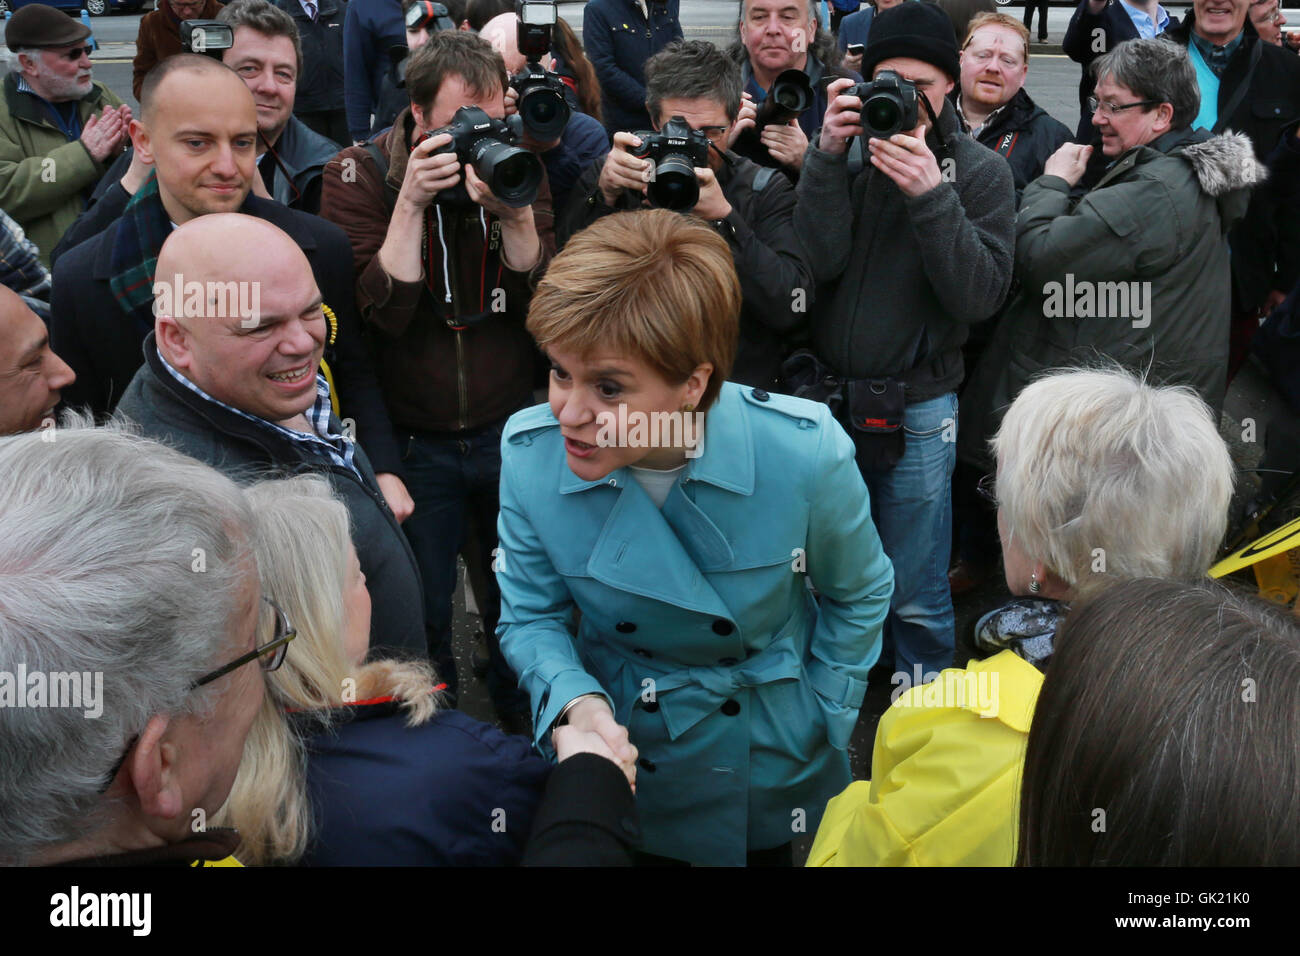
x=788, y=98
x=545, y=113
x=513, y=174
x=883, y=115
x=674, y=186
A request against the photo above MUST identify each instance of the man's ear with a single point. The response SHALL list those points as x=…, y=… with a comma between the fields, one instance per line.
x=418, y=113
x=153, y=771
x=140, y=139
x=173, y=340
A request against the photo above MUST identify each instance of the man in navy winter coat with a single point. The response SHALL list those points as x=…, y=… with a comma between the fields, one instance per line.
x=620, y=35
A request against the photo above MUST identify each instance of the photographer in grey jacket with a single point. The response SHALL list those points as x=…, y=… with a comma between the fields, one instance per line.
x=919, y=243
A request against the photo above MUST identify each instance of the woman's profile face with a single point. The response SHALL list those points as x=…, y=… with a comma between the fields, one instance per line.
x=356, y=611
x=615, y=410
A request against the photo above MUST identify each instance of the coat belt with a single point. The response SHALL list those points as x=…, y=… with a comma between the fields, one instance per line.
x=689, y=695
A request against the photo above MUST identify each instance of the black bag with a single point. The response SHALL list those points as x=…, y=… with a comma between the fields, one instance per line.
x=876, y=422
x=871, y=409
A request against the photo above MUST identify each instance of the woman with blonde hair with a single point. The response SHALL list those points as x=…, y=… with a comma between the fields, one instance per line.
x=353, y=763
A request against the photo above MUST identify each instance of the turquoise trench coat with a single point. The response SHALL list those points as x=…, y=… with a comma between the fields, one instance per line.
x=699, y=622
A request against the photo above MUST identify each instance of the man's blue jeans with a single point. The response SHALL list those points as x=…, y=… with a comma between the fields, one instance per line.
x=911, y=505
x=453, y=482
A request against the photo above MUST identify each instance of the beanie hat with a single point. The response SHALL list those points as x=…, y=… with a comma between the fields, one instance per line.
x=916, y=29
x=37, y=25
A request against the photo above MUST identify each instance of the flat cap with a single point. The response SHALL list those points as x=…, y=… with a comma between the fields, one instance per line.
x=39, y=25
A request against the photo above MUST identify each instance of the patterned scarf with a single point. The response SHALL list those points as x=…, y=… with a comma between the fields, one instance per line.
x=141, y=231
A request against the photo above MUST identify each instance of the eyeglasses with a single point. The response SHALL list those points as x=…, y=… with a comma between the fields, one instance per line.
x=270, y=655
x=987, y=489
x=1110, y=109
x=76, y=53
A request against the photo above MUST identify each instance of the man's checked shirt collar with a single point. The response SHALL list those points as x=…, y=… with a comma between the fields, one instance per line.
x=324, y=442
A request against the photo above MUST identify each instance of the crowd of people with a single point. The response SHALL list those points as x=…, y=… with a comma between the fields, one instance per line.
x=831, y=322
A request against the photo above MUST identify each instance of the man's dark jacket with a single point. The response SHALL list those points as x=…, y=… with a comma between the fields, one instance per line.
x=619, y=39
x=768, y=259
x=1025, y=136
x=302, y=154
x=911, y=274
x=1080, y=46
x=370, y=29
x=101, y=343
x=1266, y=243
x=168, y=411
x=320, y=83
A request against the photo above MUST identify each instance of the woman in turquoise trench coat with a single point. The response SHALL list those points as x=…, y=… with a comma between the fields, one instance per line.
x=699, y=626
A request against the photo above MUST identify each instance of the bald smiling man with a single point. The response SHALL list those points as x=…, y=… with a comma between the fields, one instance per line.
x=232, y=377
x=198, y=128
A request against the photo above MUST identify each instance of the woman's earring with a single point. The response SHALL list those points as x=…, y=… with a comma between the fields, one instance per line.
x=1034, y=586
x=688, y=407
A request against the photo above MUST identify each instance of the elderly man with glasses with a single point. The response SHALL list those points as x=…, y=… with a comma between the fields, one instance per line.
x=131, y=595
x=1136, y=268
x=59, y=130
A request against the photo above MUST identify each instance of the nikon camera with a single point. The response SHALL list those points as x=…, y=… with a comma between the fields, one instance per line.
x=542, y=105
x=676, y=150
x=514, y=174
x=889, y=104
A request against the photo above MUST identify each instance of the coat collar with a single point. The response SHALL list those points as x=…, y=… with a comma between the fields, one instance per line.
x=26, y=107
x=290, y=221
x=727, y=461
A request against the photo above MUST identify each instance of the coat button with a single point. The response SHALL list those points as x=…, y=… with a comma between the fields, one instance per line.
x=641, y=652
x=650, y=706
x=728, y=661
x=731, y=708
x=760, y=395
x=646, y=764
x=629, y=827
x=723, y=626
x=625, y=627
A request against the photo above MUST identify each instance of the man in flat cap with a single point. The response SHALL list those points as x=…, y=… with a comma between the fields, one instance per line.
x=59, y=130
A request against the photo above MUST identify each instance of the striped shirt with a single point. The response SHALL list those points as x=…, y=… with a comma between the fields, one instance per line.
x=327, y=439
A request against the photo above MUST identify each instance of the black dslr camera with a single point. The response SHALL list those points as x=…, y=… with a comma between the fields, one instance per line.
x=790, y=95
x=676, y=150
x=209, y=37
x=889, y=104
x=541, y=105
x=513, y=174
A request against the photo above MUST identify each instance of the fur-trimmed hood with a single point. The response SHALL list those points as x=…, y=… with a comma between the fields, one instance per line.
x=1225, y=162
x=1225, y=166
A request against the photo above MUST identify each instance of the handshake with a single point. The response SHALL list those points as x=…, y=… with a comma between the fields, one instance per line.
x=591, y=728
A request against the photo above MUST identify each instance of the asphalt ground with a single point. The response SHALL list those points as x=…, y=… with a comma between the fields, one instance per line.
x=1052, y=82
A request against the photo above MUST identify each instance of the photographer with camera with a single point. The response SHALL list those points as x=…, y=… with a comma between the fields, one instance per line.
x=567, y=140
x=778, y=36
x=921, y=241
x=751, y=207
x=449, y=233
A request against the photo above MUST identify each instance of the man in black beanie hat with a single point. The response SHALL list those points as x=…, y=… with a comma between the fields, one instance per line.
x=59, y=129
x=918, y=229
